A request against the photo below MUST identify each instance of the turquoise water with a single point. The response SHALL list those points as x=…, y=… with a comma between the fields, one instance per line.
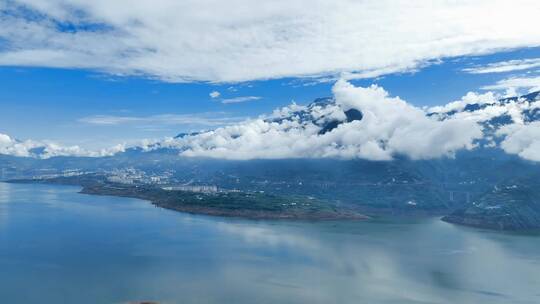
x=58, y=246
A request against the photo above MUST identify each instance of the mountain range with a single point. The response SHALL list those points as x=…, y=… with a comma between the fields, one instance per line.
x=490, y=183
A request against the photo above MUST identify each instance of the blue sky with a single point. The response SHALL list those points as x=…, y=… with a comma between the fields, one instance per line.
x=104, y=72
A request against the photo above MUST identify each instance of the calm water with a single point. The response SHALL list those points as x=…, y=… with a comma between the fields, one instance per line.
x=57, y=246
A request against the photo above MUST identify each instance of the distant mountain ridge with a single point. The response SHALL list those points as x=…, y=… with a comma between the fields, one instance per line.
x=512, y=205
x=504, y=111
x=472, y=187
x=326, y=115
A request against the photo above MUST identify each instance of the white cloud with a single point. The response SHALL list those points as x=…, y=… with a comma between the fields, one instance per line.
x=214, y=94
x=505, y=66
x=522, y=139
x=515, y=83
x=517, y=136
x=389, y=126
x=47, y=149
x=201, y=119
x=240, y=99
x=485, y=107
x=469, y=98
x=242, y=40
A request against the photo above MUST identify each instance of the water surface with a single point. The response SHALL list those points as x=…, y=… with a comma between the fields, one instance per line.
x=58, y=246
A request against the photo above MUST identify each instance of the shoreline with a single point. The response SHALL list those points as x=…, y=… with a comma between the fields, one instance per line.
x=219, y=205
x=256, y=206
x=249, y=214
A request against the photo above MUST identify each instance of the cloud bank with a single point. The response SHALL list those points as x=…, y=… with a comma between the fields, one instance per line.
x=357, y=123
x=514, y=121
x=242, y=40
x=388, y=127
x=523, y=140
x=46, y=149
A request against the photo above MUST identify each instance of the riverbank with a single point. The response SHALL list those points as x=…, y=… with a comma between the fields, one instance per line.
x=248, y=205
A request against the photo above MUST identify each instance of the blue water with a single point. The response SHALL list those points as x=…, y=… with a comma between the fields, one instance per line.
x=58, y=246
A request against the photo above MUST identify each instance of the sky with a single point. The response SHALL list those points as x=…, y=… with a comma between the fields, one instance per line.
x=95, y=74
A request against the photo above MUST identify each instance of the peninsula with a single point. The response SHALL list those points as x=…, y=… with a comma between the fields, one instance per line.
x=227, y=203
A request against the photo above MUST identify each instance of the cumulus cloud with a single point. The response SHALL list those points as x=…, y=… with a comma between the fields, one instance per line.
x=389, y=126
x=214, y=94
x=242, y=40
x=522, y=139
x=482, y=108
x=358, y=122
x=47, y=149
x=505, y=66
x=514, y=122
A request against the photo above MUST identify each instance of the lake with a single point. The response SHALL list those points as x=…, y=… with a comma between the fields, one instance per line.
x=58, y=246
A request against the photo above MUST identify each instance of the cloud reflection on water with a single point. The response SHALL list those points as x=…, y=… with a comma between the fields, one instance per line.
x=129, y=250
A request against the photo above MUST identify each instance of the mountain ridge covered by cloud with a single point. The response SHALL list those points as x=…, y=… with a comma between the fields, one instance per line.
x=48, y=149
x=357, y=122
x=389, y=127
